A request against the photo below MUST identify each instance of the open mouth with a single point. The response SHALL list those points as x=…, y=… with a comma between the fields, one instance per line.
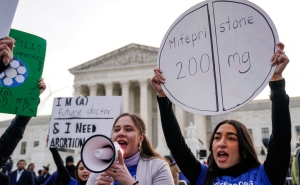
x=122, y=143
x=85, y=176
x=222, y=156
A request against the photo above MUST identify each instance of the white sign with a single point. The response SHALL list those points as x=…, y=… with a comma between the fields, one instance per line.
x=216, y=56
x=75, y=119
x=7, y=13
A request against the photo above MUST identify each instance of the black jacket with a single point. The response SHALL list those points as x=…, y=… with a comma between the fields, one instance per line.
x=4, y=179
x=42, y=179
x=25, y=179
x=11, y=137
x=71, y=170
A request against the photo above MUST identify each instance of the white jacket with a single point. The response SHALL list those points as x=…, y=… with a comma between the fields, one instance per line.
x=152, y=171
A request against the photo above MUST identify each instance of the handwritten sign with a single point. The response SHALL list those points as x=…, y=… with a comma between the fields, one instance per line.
x=218, y=53
x=19, y=92
x=75, y=119
x=7, y=13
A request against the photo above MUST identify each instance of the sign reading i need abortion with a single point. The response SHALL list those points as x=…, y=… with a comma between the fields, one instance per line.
x=218, y=53
x=75, y=119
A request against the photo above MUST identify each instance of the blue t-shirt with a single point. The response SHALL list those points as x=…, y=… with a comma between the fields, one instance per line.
x=182, y=177
x=51, y=179
x=73, y=182
x=251, y=177
x=132, y=171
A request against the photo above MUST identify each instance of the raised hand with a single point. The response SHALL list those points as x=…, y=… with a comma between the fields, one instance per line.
x=6, y=49
x=156, y=80
x=281, y=60
x=42, y=85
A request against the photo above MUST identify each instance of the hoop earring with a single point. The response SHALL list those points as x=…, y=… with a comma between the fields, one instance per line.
x=140, y=146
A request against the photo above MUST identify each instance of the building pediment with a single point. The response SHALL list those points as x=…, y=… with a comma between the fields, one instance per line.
x=130, y=55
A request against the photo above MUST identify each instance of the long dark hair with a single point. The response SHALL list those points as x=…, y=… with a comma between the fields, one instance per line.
x=29, y=165
x=146, y=149
x=76, y=174
x=246, y=151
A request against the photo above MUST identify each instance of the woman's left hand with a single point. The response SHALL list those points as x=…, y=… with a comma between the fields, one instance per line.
x=119, y=172
x=281, y=60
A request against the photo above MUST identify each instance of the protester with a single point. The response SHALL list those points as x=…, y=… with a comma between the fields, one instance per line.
x=30, y=167
x=4, y=179
x=14, y=133
x=81, y=173
x=52, y=179
x=233, y=159
x=39, y=172
x=295, y=164
x=176, y=173
x=21, y=176
x=63, y=176
x=70, y=166
x=45, y=175
x=173, y=167
x=141, y=164
x=7, y=167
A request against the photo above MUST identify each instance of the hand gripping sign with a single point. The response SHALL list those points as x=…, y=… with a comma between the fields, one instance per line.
x=216, y=56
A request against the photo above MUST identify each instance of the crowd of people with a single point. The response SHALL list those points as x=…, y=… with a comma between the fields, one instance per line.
x=232, y=158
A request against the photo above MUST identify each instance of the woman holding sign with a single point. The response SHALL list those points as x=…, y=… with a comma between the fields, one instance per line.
x=63, y=177
x=141, y=164
x=233, y=159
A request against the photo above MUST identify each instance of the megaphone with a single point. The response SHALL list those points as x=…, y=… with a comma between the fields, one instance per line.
x=98, y=153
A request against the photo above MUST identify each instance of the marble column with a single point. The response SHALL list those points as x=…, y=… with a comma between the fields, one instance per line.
x=181, y=118
x=162, y=147
x=125, y=93
x=77, y=90
x=144, y=106
x=93, y=89
x=108, y=88
x=200, y=122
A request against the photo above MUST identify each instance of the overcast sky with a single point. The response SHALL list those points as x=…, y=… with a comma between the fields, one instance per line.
x=78, y=31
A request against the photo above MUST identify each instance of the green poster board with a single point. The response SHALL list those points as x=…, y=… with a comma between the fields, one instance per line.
x=19, y=92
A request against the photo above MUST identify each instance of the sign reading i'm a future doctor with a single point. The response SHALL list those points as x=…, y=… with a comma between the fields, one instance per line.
x=75, y=119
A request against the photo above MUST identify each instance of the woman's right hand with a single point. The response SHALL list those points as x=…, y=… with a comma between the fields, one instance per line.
x=156, y=80
x=103, y=179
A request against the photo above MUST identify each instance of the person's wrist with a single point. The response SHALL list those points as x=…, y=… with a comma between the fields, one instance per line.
x=161, y=94
x=130, y=181
x=276, y=77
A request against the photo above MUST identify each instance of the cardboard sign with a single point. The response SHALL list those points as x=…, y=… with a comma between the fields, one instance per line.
x=218, y=53
x=75, y=119
x=19, y=92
